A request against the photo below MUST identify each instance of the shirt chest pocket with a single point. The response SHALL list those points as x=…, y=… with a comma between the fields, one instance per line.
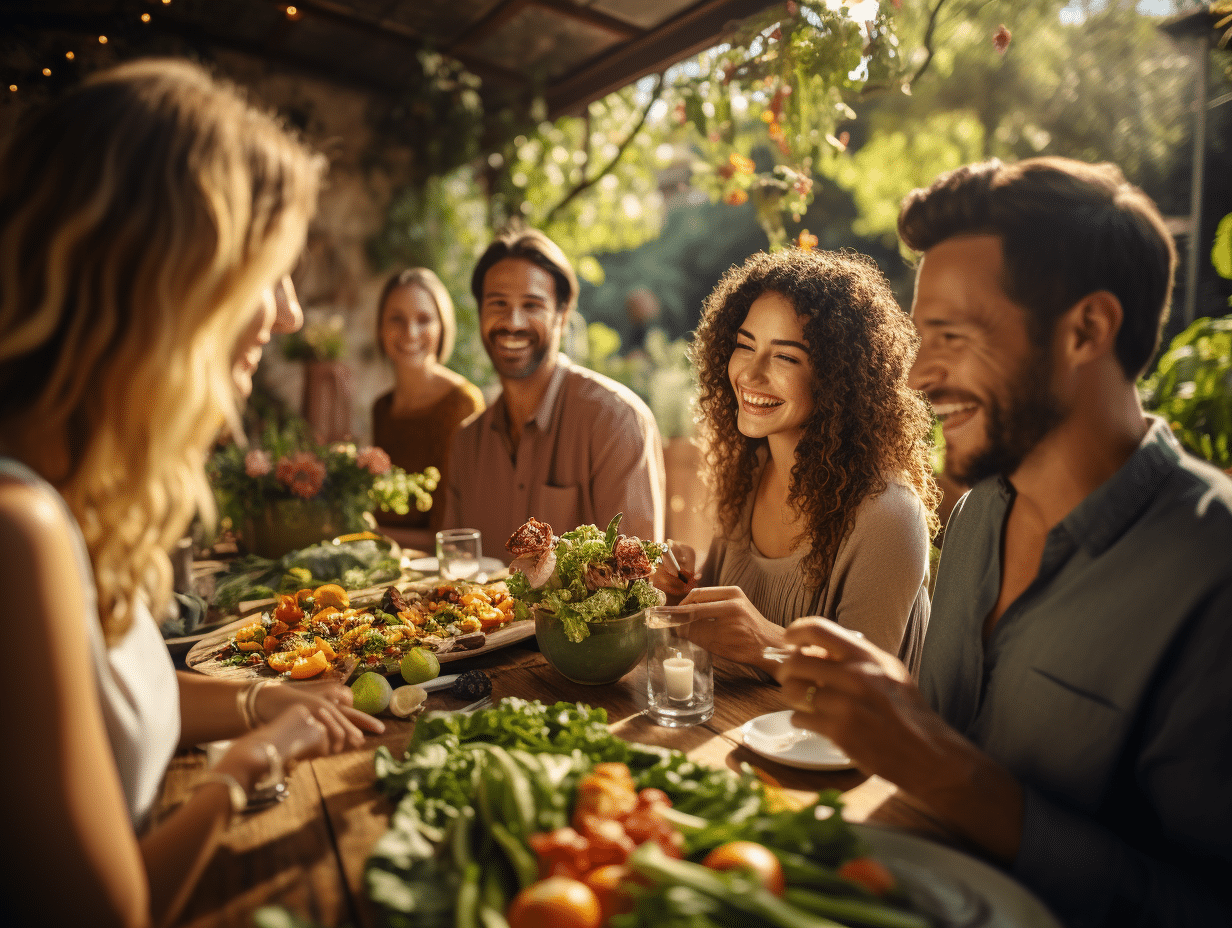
x=559, y=507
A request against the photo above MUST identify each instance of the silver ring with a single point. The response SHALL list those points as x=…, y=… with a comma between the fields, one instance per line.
x=809, y=694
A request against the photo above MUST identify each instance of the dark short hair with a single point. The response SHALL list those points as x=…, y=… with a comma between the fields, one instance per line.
x=533, y=246
x=1067, y=229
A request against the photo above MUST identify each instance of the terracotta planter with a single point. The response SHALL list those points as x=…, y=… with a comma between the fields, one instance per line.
x=328, y=396
x=290, y=524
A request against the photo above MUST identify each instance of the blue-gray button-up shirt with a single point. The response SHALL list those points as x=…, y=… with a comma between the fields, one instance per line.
x=1106, y=687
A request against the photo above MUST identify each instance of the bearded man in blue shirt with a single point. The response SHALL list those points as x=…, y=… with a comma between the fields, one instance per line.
x=1072, y=715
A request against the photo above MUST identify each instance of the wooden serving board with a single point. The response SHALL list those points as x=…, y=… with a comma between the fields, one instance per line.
x=202, y=656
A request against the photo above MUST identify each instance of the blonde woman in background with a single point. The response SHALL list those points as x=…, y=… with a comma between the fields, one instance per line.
x=148, y=217
x=415, y=422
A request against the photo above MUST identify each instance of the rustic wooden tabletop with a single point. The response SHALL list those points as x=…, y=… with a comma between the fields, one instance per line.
x=308, y=852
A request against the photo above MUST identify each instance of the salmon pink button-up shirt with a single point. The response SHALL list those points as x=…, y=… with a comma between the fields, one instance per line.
x=591, y=450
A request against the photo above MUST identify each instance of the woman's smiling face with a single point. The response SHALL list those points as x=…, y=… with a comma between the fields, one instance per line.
x=771, y=371
x=410, y=326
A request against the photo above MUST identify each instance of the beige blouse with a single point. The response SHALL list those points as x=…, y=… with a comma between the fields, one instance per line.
x=878, y=586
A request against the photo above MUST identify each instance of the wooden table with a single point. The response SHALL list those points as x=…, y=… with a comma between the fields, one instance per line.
x=308, y=852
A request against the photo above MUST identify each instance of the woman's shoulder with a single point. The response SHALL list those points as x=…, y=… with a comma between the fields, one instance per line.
x=896, y=508
x=465, y=392
x=35, y=528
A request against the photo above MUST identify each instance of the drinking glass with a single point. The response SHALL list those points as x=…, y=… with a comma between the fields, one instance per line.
x=457, y=553
x=679, y=675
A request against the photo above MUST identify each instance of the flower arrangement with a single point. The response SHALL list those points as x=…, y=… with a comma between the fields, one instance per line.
x=583, y=576
x=287, y=465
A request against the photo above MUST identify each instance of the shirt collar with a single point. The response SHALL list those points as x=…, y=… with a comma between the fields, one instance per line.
x=1107, y=512
x=543, y=415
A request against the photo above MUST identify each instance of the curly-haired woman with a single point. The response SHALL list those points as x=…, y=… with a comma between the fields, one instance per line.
x=138, y=285
x=817, y=458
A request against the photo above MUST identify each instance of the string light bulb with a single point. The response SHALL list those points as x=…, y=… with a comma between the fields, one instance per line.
x=46, y=72
x=293, y=12
x=145, y=17
x=69, y=55
x=102, y=40
x=13, y=87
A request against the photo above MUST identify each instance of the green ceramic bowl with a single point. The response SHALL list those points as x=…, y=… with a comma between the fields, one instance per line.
x=613, y=648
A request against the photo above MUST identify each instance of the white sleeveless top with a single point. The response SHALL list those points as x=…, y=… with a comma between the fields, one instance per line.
x=136, y=681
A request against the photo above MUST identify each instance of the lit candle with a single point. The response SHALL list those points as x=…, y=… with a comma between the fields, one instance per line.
x=678, y=677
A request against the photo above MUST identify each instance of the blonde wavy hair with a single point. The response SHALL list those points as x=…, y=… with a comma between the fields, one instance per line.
x=146, y=212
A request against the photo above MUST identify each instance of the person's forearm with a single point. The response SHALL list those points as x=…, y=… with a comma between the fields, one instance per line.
x=208, y=709
x=176, y=852
x=974, y=794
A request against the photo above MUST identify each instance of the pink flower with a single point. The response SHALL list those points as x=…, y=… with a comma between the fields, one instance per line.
x=302, y=473
x=257, y=463
x=374, y=460
x=1001, y=39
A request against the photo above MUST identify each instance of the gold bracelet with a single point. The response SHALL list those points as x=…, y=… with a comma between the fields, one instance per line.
x=236, y=794
x=246, y=703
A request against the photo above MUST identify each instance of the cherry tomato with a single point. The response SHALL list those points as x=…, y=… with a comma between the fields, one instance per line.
x=607, y=884
x=752, y=857
x=562, y=852
x=869, y=873
x=557, y=902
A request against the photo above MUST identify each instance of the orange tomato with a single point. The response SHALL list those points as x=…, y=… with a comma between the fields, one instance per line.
x=288, y=611
x=869, y=873
x=331, y=594
x=557, y=902
x=752, y=857
x=607, y=883
x=309, y=666
x=324, y=648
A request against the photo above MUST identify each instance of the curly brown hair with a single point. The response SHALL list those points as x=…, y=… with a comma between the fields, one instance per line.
x=867, y=426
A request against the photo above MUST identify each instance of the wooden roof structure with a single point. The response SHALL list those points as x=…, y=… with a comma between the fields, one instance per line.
x=574, y=51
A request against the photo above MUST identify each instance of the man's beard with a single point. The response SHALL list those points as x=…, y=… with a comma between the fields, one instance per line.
x=520, y=370
x=1015, y=429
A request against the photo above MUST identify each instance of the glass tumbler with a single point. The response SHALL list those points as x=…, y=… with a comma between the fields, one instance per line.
x=679, y=675
x=457, y=553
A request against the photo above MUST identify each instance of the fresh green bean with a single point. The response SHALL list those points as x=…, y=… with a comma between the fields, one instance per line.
x=867, y=912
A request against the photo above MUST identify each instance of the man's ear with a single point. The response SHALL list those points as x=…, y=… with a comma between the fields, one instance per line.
x=1089, y=329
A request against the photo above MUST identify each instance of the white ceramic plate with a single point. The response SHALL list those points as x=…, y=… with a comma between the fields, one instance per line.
x=957, y=890
x=427, y=565
x=775, y=738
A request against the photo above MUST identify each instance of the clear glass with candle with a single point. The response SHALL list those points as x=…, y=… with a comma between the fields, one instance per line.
x=679, y=675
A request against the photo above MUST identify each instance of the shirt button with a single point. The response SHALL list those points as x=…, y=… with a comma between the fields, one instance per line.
x=521, y=486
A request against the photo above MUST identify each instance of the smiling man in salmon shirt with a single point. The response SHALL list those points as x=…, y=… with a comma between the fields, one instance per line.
x=1072, y=712
x=561, y=443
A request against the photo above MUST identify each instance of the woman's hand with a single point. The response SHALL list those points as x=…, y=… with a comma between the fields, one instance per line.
x=668, y=580
x=328, y=702
x=729, y=626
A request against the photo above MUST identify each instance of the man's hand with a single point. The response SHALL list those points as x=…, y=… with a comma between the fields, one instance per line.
x=730, y=626
x=862, y=698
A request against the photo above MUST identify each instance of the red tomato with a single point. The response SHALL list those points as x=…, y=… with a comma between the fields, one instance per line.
x=607, y=884
x=562, y=852
x=557, y=902
x=609, y=843
x=751, y=856
x=869, y=873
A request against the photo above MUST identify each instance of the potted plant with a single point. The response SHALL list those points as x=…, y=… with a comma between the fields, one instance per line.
x=588, y=592
x=286, y=492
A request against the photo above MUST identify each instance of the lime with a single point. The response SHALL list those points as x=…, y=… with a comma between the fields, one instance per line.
x=370, y=693
x=420, y=665
x=406, y=699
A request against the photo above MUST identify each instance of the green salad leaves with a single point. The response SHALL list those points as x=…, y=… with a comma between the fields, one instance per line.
x=590, y=581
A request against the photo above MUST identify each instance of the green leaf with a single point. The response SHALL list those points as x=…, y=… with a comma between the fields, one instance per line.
x=1221, y=251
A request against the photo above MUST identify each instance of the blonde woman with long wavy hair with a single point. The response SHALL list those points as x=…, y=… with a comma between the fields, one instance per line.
x=148, y=219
